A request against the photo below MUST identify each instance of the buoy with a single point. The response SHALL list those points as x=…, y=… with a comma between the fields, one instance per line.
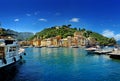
x=4, y=61
x=24, y=53
x=20, y=57
x=14, y=59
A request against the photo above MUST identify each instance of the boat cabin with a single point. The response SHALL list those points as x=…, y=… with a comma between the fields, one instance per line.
x=8, y=48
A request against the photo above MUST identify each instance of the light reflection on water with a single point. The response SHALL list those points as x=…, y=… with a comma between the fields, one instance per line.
x=66, y=64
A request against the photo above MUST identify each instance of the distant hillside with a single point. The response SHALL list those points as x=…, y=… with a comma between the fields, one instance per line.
x=66, y=30
x=24, y=35
x=18, y=35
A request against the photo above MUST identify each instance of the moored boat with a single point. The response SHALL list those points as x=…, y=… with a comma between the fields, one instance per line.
x=115, y=53
x=74, y=46
x=10, y=52
x=92, y=49
x=102, y=51
x=99, y=50
x=52, y=46
x=38, y=46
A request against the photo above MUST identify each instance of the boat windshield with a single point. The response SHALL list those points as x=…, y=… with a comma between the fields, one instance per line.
x=9, y=42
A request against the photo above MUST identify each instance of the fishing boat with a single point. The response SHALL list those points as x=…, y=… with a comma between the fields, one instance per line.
x=10, y=52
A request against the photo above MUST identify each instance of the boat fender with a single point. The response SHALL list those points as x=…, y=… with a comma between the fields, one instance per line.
x=20, y=57
x=24, y=53
x=14, y=59
x=4, y=61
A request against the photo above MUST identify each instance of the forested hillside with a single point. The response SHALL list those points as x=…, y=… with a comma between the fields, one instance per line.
x=67, y=30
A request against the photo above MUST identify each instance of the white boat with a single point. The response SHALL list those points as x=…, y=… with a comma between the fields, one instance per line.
x=10, y=52
x=102, y=51
x=53, y=46
x=38, y=46
x=74, y=46
x=91, y=49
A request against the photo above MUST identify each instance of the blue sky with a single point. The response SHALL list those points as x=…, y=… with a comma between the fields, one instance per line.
x=102, y=16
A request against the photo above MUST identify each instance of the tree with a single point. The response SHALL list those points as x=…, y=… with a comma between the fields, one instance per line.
x=83, y=29
x=112, y=41
x=75, y=28
x=79, y=29
x=69, y=25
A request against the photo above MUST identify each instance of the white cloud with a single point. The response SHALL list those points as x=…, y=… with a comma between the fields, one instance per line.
x=42, y=19
x=117, y=37
x=109, y=33
x=74, y=20
x=16, y=20
x=28, y=14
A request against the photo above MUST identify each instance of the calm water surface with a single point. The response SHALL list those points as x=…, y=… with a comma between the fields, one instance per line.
x=63, y=64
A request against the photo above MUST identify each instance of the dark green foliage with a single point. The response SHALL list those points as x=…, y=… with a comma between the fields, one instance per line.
x=79, y=29
x=83, y=29
x=2, y=31
x=87, y=33
x=63, y=31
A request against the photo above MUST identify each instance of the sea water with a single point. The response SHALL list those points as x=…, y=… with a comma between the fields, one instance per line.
x=62, y=64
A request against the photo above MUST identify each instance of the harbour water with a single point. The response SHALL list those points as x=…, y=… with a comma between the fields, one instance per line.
x=62, y=64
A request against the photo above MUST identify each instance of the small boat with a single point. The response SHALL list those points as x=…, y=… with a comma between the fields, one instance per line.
x=102, y=51
x=53, y=46
x=74, y=46
x=99, y=50
x=115, y=53
x=10, y=52
x=91, y=49
x=38, y=46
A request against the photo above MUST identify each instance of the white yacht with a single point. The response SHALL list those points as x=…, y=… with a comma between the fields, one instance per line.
x=10, y=52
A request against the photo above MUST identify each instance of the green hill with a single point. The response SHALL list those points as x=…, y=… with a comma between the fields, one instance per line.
x=63, y=31
x=66, y=30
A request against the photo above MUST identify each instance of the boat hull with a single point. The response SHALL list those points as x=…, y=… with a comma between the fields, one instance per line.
x=9, y=61
x=115, y=56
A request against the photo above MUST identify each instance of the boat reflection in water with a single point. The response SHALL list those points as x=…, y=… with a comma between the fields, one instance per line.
x=10, y=72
